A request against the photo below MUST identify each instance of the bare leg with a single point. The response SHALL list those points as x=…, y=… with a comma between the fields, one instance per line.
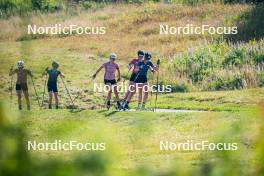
x=19, y=99
x=116, y=93
x=145, y=90
x=56, y=99
x=27, y=99
x=109, y=95
x=131, y=93
x=127, y=93
x=117, y=97
x=108, y=98
x=50, y=100
x=140, y=92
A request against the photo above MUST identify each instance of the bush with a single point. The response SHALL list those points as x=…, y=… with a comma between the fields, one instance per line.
x=86, y=4
x=235, y=58
x=180, y=88
x=202, y=66
x=227, y=83
x=259, y=58
x=23, y=7
x=260, y=79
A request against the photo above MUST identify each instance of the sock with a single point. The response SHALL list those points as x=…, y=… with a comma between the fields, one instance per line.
x=108, y=102
x=118, y=103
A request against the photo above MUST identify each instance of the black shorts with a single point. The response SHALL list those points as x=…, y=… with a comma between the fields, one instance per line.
x=111, y=82
x=141, y=79
x=22, y=86
x=133, y=77
x=52, y=87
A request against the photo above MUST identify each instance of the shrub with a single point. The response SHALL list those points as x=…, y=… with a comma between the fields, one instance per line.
x=86, y=4
x=227, y=83
x=260, y=79
x=234, y=57
x=259, y=58
x=180, y=87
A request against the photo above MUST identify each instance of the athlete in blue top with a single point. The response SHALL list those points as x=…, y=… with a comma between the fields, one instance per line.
x=53, y=74
x=141, y=81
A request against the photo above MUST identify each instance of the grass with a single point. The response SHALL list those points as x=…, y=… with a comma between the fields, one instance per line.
x=128, y=29
x=132, y=138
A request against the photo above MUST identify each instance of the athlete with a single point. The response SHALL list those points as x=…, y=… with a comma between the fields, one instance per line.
x=53, y=74
x=141, y=82
x=133, y=64
x=110, y=79
x=21, y=83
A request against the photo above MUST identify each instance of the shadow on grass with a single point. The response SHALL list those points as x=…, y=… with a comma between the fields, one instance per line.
x=102, y=111
x=76, y=110
x=111, y=113
x=250, y=25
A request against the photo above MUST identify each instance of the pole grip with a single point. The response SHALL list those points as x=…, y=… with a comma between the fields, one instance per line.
x=158, y=62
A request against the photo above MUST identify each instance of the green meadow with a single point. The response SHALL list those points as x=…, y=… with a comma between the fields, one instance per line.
x=227, y=92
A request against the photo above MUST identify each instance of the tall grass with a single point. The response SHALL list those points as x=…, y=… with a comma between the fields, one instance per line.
x=218, y=66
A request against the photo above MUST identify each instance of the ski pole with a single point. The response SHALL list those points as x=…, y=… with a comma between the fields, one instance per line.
x=44, y=89
x=11, y=87
x=67, y=91
x=127, y=73
x=137, y=75
x=150, y=101
x=156, y=98
x=77, y=96
x=35, y=90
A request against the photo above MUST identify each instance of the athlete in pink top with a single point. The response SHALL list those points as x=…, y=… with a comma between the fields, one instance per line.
x=109, y=78
x=110, y=68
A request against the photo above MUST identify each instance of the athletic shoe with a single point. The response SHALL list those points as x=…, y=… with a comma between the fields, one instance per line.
x=126, y=107
x=143, y=107
x=118, y=105
x=108, y=105
x=139, y=107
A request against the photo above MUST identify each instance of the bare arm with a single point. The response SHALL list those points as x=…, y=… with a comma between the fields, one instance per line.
x=29, y=73
x=97, y=71
x=153, y=68
x=45, y=72
x=129, y=65
x=11, y=71
x=156, y=68
x=118, y=74
x=62, y=75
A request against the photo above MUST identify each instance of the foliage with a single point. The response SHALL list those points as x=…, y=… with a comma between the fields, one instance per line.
x=209, y=68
